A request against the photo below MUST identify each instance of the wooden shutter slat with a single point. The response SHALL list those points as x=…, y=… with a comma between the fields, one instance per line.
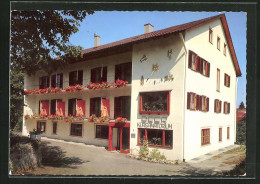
x=200, y=103
x=215, y=104
x=196, y=63
x=188, y=100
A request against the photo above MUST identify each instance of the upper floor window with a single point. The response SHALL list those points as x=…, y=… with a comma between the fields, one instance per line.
x=218, y=43
x=95, y=106
x=44, y=107
x=154, y=102
x=122, y=107
x=205, y=136
x=227, y=80
x=197, y=102
x=226, y=108
x=44, y=82
x=99, y=75
x=218, y=80
x=210, y=35
x=225, y=49
x=217, y=106
x=198, y=64
x=76, y=77
x=57, y=80
x=124, y=72
x=54, y=105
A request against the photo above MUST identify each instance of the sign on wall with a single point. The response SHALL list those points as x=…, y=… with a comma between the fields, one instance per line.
x=154, y=122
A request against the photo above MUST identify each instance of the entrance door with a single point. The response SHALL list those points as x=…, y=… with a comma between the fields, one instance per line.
x=124, y=140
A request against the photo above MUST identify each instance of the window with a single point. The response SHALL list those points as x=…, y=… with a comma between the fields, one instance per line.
x=72, y=109
x=227, y=132
x=198, y=64
x=122, y=107
x=227, y=80
x=217, y=106
x=220, y=134
x=226, y=108
x=124, y=72
x=205, y=136
x=95, y=106
x=54, y=105
x=44, y=82
x=218, y=43
x=57, y=80
x=44, y=107
x=76, y=129
x=41, y=126
x=99, y=75
x=54, y=127
x=76, y=77
x=102, y=131
x=197, y=102
x=218, y=80
x=156, y=138
x=154, y=102
x=210, y=35
x=225, y=50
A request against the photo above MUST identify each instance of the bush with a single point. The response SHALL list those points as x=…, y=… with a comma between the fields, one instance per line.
x=155, y=154
x=241, y=132
x=144, y=151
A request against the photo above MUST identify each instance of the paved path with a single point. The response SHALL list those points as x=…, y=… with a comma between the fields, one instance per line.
x=69, y=158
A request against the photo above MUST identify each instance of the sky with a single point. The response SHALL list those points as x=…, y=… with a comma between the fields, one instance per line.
x=117, y=25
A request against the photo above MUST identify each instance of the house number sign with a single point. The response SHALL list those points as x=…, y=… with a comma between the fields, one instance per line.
x=154, y=122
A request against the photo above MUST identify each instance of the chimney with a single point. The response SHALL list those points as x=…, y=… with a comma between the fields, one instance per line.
x=96, y=40
x=148, y=28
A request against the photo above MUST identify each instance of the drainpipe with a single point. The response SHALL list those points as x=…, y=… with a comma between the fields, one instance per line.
x=235, y=114
x=184, y=91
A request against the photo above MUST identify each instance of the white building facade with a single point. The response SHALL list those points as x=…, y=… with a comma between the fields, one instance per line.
x=181, y=93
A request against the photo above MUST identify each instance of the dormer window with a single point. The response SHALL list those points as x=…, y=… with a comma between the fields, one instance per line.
x=210, y=35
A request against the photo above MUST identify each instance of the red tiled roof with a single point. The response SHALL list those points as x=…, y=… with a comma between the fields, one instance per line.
x=241, y=114
x=171, y=30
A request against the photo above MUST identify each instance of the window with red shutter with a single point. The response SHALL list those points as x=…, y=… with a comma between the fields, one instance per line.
x=228, y=107
x=95, y=106
x=207, y=104
x=188, y=100
x=190, y=59
x=197, y=97
x=208, y=69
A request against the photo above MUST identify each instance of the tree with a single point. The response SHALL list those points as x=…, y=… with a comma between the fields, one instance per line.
x=39, y=40
x=241, y=105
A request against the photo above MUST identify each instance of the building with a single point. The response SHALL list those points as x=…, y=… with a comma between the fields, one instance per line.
x=181, y=92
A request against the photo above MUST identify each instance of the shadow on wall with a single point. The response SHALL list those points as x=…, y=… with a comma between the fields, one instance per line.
x=54, y=156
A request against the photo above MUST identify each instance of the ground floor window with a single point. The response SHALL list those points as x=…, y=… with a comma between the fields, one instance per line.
x=76, y=129
x=41, y=126
x=205, y=136
x=102, y=131
x=155, y=137
x=54, y=127
x=227, y=132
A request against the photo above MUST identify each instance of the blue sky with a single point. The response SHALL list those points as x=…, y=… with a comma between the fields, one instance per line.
x=116, y=25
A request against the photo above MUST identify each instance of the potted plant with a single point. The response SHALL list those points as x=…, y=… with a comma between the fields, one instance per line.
x=35, y=134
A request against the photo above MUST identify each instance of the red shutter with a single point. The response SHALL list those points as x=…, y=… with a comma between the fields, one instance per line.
x=220, y=103
x=53, y=81
x=208, y=69
x=105, y=108
x=197, y=97
x=215, y=104
x=44, y=108
x=60, y=108
x=228, y=107
x=188, y=100
x=80, y=108
x=207, y=104
x=228, y=81
x=197, y=63
x=200, y=107
x=190, y=59
x=80, y=77
x=117, y=107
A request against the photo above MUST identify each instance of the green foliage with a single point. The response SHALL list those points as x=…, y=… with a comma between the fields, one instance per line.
x=241, y=132
x=144, y=151
x=155, y=154
x=241, y=105
x=37, y=38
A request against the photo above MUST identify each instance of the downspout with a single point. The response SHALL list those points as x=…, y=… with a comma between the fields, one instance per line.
x=184, y=91
x=235, y=114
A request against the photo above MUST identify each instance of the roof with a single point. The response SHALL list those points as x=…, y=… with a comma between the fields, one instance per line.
x=168, y=31
x=241, y=114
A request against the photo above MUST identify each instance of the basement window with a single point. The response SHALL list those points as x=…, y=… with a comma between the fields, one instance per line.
x=102, y=131
x=76, y=129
